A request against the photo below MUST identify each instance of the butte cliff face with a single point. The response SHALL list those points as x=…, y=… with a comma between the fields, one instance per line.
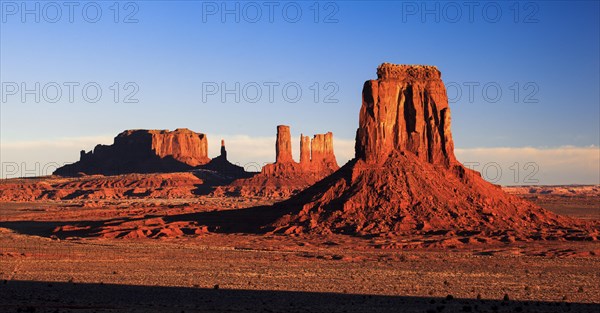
x=143, y=151
x=404, y=177
x=286, y=177
x=316, y=156
x=405, y=109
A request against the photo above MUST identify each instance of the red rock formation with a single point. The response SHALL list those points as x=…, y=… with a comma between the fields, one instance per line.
x=285, y=177
x=305, y=151
x=144, y=151
x=183, y=145
x=406, y=109
x=322, y=156
x=98, y=187
x=405, y=178
x=283, y=145
x=316, y=159
x=223, y=151
x=227, y=170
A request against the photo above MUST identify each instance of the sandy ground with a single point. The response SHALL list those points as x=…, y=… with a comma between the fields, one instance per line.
x=237, y=272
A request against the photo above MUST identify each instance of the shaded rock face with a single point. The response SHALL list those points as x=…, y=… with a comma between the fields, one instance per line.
x=221, y=165
x=223, y=151
x=404, y=178
x=143, y=151
x=405, y=109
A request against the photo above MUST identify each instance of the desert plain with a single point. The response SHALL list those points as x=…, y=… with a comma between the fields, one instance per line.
x=151, y=224
x=97, y=268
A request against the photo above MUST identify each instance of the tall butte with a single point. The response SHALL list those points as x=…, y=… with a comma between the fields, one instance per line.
x=405, y=178
x=285, y=177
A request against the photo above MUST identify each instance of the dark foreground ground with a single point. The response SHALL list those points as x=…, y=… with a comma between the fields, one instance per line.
x=244, y=272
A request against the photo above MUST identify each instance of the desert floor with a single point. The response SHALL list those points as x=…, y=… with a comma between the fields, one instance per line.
x=132, y=255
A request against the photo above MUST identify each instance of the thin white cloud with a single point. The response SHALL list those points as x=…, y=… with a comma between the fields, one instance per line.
x=535, y=165
x=502, y=165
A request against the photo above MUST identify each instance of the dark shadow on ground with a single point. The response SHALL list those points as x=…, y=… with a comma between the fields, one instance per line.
x=31, y=296
x=249, y=220
x=47, y=228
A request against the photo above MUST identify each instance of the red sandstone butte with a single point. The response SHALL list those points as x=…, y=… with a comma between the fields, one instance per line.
x=406, y=109
x=404, y=177
x=322, y=157
x=286, y=177
x=283, y=145
x=143, y=151
x=316, y=156
x=305, y=151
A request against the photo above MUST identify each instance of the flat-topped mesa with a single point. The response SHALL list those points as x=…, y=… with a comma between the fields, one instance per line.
x=181, y=144
x=283, y=145
x=405, y=110
x=144, y=151
x=407, y=72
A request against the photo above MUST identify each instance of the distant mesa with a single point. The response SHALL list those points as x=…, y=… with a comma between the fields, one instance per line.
x=143, y=151
x=286, y=177
x=404, y=177
x=153, y=151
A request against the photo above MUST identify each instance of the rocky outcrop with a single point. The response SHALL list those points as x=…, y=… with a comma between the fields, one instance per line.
x=285, y=177
x=404, y=177
x=316, y=156
x=143, y=151
x=283, y=145
x=227, y=170
x=305, y=151
x=223, y=151
x=405, y=109
x=322, y=157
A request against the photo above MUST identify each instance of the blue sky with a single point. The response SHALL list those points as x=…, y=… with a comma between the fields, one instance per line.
x=544, y=58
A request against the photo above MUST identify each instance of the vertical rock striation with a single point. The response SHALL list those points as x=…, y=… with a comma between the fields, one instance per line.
x=405, y=109
x=283, y=145
x=305, y=148
x=322, y=156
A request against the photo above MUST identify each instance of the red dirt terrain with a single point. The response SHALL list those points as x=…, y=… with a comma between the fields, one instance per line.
x=401, y=227
x=170, y=255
